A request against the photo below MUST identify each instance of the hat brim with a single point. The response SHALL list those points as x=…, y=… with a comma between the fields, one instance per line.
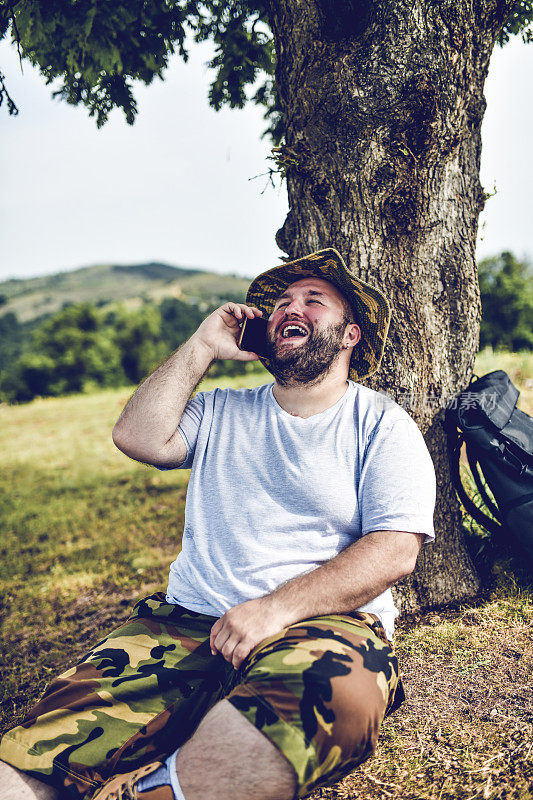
x=370, y=306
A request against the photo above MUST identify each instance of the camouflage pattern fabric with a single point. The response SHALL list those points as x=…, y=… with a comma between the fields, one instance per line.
x=318, y=690
x=371, y=307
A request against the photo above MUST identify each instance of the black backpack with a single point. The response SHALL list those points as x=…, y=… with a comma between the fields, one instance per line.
x=499, y=440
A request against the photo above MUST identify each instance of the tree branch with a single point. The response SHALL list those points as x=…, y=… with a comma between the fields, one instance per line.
x=17, y=38
x=11, y=107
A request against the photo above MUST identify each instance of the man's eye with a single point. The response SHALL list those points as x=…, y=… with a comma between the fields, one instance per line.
x=316, y=301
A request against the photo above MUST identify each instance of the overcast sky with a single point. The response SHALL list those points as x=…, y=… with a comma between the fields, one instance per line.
x=179, y=185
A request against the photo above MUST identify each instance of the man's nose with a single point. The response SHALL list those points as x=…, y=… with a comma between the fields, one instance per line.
x=294, y=307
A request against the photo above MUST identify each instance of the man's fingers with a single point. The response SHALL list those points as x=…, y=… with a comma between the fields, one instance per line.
x=229, y=647
x=233, y=309
x=239, y=310
x=240, y=653
x=221, y=639
x=213, y=635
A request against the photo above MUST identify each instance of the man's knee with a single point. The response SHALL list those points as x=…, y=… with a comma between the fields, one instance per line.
x=344, y=712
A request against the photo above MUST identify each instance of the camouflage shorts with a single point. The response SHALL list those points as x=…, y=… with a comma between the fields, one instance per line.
x=318, y=690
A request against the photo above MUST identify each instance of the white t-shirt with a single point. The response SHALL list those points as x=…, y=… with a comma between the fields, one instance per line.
x=272, y=496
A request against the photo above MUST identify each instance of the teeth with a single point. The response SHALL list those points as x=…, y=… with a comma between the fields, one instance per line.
x=296, y=328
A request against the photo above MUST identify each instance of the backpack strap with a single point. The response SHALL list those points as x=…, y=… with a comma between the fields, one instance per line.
x=473, y=463
x=455, y=442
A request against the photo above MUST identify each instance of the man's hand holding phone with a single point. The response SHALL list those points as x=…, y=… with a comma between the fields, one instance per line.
x=220, y=331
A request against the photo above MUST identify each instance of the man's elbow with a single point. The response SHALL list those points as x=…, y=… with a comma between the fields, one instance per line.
x=410, y=557
x=137, y=447
x=123, y=442
x=408, y=567
x=117, y=436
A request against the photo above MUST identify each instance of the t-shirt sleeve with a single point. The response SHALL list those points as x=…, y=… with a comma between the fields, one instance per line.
x=189, y=426
x=397, y=486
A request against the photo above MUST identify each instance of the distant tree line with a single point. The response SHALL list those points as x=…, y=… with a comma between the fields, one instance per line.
x=506, y=287
x=85, y=346
x=82, y=347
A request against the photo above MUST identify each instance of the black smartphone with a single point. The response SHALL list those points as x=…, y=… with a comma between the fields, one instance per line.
x=253, y=336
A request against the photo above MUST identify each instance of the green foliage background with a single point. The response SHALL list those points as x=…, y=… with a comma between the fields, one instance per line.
x=86, y=345
x=506, y=287
x=83, y=346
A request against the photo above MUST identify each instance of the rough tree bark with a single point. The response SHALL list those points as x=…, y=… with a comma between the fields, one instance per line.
x=383, y=103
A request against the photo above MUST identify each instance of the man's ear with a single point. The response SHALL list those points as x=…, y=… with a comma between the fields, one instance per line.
x=352, y=334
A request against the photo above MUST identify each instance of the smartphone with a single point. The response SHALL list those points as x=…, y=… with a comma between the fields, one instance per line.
x=253, y=336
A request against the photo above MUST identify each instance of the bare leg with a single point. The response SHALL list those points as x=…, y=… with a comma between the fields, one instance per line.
x=16, y=785
x=227, y=758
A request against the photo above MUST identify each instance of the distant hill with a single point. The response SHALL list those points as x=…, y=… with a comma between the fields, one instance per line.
x=110, y=283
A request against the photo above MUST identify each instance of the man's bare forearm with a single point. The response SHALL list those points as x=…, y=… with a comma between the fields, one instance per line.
x=353, y=578
x=150, y=418
x=350, y=580
x=146, y=429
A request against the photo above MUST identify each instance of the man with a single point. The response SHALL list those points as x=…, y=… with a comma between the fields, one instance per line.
x=268, y=667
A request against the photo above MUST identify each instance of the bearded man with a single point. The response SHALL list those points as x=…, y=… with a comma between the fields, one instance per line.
x=267, y=668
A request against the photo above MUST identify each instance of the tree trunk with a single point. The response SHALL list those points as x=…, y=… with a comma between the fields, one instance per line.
x=383, y=104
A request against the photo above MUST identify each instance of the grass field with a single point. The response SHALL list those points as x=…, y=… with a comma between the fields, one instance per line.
x=85, y=531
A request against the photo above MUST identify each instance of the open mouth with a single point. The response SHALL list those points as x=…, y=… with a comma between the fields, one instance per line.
x=293, y=332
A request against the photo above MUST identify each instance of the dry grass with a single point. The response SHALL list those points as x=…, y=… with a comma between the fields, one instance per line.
x=466, y=729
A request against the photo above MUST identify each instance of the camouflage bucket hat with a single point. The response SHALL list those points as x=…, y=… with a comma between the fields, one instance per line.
x=371, y=307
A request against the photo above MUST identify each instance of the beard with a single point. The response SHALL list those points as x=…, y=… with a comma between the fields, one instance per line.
x=308, y=362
